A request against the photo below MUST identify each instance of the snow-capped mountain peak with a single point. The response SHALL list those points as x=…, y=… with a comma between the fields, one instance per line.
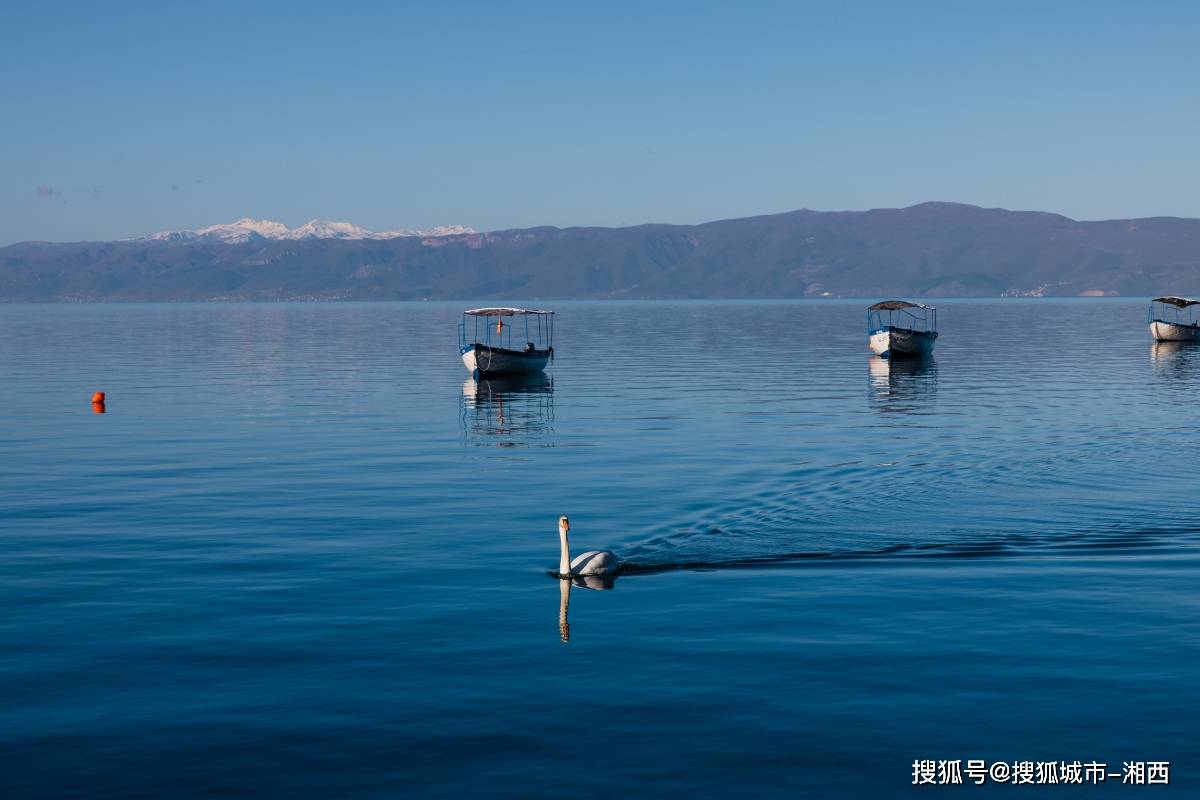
x=243, y=229
x=440, y=230
x=247, y=228
x=324, y=229
x=232, y=232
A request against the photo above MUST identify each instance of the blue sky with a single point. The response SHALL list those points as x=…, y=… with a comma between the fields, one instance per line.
x=123, y=120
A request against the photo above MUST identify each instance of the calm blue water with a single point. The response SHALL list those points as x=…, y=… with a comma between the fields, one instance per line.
x=302, y=555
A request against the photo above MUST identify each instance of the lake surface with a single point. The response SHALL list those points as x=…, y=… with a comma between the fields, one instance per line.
x=302, y=555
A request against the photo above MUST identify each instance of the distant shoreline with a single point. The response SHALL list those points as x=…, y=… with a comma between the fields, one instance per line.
x=928, y=250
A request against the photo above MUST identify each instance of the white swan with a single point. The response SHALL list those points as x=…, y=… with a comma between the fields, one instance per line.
x=593, y=562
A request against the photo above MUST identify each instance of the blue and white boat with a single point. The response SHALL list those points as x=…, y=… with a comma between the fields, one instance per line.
x=900, y=329
x=486, y=341
x=1173, y=319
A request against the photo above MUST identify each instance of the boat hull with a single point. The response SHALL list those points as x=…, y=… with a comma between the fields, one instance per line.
x=487, y=361
x=895, y=343
x=1173, y=332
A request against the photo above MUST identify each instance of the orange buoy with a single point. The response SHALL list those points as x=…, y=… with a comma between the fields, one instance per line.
x=98, y=397
x=98, y=408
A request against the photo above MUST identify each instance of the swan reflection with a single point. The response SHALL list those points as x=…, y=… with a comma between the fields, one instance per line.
x=902, y=385
x=596, y=582
x=508, y=411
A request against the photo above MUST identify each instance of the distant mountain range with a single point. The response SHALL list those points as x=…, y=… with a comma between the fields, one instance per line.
x=246, y=229
x=931, y=249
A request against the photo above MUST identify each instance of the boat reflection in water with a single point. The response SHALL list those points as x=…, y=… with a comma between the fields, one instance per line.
x=1176, y=361
x=902, y=386
x=508, y=412
x=598, y=582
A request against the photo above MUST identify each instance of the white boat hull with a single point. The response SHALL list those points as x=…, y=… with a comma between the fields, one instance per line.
x=485, y=361
x=898, y=343
x=1172, y=332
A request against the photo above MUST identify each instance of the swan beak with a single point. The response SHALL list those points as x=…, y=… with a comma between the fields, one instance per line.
x=564, y=524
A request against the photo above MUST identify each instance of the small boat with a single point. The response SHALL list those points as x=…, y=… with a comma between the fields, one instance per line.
x=1173, y=319
x=487, y=346
x=900, y=329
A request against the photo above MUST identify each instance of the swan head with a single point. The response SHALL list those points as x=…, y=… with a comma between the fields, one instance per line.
x=564, y=525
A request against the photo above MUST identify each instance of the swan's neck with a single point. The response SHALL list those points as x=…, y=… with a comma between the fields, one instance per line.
x=564, y=559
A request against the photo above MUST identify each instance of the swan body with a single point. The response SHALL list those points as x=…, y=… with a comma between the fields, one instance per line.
x=593, y=562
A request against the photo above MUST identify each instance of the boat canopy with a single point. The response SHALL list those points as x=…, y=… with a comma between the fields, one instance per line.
x=504, y=312
x=898, y=305
x=477, y=328
x=1178, y=302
